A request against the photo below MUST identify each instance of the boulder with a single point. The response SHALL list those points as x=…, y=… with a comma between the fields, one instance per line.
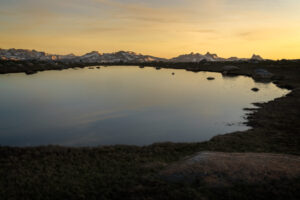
x=29, y=72
x=230, y=68
x=30, y=64
x=227, y=169
x=262, y=74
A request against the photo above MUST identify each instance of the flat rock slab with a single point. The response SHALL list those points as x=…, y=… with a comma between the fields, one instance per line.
x=226, y=169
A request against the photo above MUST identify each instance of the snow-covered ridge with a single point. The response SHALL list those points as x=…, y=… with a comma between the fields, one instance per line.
x=24, y=54
x=121, y=56
x=117, y=57
x=92, y=57
x=197, y=57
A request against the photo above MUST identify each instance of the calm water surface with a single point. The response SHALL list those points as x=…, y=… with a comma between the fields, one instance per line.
x=123, y=105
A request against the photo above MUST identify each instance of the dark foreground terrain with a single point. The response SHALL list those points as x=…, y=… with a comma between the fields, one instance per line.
x=270, y=171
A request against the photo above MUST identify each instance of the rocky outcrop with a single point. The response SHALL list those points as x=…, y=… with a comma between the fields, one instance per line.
x=230, y=68
x=262, y=74
x=225, y=169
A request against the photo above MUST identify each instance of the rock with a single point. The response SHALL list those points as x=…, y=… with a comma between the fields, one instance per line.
x=230, y=68
x=14, y=68
x=226, y=169
x=173, y=73
x=278, y=77
x=210, y=78
x=255, y=89
x=98, y=67
x=29, y=72
x=30, y=64
x=262, y=74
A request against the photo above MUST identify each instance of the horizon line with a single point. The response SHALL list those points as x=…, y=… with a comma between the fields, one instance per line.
x=145, y=54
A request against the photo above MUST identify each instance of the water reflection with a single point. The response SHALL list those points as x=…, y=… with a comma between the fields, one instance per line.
x=123, y=105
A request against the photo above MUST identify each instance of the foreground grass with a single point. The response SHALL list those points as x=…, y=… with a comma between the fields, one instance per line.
x=117, y=172
x=88, y=173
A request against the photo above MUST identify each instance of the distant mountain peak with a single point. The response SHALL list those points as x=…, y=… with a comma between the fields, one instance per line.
x=211, y=55
x=197, y=57
x=93, y=53
x=256, y=57
x=116, y=57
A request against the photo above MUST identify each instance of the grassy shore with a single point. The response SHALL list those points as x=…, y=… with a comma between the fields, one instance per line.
x=131, y=172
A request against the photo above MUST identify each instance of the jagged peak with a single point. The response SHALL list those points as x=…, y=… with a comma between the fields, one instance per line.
x=211, y=55
x=256, y=57
x=93, y=53
x=95, y=56
x=125, y=52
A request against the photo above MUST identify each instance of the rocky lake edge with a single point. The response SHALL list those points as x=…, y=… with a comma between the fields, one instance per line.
x=133, y=170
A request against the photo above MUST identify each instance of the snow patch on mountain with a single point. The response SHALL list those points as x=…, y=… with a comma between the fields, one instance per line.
x=117, y=57
x=197, y=57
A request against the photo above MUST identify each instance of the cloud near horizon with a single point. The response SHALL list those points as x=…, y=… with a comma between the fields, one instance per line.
x=161, y=28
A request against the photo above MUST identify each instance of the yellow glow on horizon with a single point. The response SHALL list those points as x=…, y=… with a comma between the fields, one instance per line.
x=164, y=29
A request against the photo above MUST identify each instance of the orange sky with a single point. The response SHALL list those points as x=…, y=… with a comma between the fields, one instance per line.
x=166, y=28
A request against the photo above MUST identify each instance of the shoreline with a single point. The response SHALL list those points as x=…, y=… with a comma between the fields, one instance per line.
x=281, y=79
x=133, y=172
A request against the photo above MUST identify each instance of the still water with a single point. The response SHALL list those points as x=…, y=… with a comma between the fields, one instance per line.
x=123, y=105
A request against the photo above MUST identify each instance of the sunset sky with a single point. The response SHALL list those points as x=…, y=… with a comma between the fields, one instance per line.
x=164, y=28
